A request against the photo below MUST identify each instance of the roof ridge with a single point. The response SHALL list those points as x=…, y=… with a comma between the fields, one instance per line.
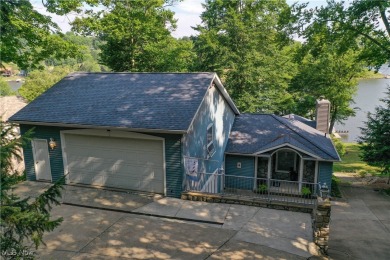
x=256, y=114
x=129, y=72
x=275, y=117
x=311, y=150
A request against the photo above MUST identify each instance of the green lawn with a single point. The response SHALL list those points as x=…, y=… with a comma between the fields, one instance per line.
x=351, y=161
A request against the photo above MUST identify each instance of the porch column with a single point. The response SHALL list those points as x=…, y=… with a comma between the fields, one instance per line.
x=300, y=174
x=316, y=172
x=316, y=177
x=269, y=170
x=255, y=173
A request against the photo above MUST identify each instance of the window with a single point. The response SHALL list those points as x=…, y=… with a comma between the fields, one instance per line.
x=210, y=140
x=285, y=160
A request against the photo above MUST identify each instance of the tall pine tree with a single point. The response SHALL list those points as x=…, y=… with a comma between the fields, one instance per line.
x=375, y=139
x=22, y=220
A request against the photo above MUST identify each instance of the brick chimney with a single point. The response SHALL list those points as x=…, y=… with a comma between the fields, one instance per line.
x=323, y=115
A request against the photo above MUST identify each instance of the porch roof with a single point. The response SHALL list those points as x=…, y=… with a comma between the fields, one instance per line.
x=259, y=133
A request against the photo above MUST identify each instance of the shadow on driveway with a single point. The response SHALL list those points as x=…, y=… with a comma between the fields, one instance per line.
x=103, y=224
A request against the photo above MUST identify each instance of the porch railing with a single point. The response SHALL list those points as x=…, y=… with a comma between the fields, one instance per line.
x=253, y=188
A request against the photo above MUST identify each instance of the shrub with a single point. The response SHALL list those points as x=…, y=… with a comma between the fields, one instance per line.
x=305, y=191
x=262, y=188
x=340, y=147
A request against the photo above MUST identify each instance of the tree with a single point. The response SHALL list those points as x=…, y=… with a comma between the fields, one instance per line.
x=327, y=74
x=363, y=24
x=239, y=39
x=329, y=61
x=135, y=35
x=22, y=220
x=27, y=37
x=88, y=61
x=375, y=139
x=39, y=81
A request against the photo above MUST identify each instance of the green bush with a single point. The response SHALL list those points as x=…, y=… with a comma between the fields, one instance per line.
x=335, y=191
x=340, y=147
x=305, y=191
x=5, y=89
x=262, y=188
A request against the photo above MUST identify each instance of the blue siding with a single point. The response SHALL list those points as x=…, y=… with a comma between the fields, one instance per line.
x=173, y=157
x=174, y=164
x=213, y=110
x=247, y=169
x=325, y=172
x=56, y=162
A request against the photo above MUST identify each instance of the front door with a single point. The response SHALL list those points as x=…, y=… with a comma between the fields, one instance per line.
x=41, y=159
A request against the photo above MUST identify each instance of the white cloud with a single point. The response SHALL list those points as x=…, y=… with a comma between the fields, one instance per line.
x=187, y=14
x=190, y=7
x=61, y=20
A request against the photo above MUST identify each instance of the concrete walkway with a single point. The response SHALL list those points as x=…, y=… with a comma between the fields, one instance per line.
x=360, y=225
x=102, y=224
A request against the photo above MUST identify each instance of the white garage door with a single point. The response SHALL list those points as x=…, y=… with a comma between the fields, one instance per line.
x=135, y=164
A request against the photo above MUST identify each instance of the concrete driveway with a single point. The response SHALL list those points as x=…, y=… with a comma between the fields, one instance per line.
x=101, y=224
x=360, y=225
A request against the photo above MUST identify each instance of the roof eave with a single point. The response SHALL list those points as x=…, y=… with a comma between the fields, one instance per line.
x=225, y=94
x=267, y=155
x=146, y=130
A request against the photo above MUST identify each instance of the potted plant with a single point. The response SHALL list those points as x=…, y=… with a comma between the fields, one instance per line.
x=306, y=191
x=263, y=188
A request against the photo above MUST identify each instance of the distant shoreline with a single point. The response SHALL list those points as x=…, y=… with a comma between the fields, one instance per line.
x=372, y=75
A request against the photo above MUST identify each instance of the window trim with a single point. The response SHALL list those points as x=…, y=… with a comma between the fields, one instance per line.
x=210, y=152
x=277, y=161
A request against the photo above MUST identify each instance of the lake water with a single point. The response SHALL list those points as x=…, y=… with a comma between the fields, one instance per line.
x=370, y=91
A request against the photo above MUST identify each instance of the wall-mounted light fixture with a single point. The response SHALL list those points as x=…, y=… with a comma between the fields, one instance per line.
x=324, y=191
x=52, y=143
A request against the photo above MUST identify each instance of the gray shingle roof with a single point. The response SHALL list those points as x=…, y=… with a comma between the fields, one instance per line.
x=165, y=101
x=257, y=133
x=304, y=120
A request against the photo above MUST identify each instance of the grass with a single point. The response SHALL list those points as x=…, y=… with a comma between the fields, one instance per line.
x=351, y=162
x=369, y=74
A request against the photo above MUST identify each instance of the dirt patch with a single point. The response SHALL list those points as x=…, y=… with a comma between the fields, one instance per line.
x=10, y=105
x=368, y=181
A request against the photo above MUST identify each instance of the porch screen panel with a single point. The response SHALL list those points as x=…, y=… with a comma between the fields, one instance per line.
x=308, y=171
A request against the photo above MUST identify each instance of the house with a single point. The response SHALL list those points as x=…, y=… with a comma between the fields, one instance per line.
x=158, y=132
x=283, y=151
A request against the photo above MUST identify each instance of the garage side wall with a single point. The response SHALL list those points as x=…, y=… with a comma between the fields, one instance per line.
x=173, y=156
x=56, y=162
x=174, y=164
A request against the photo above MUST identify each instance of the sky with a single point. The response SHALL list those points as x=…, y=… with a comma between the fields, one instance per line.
x=187, y=14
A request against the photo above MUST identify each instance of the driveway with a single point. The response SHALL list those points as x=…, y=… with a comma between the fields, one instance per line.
x=101, y=224
x=360, y=225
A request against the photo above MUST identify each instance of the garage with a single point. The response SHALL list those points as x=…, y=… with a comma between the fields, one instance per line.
x=114, y=159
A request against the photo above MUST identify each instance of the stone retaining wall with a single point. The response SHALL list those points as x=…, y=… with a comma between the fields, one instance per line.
x=212, y=198
x=321, y=220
